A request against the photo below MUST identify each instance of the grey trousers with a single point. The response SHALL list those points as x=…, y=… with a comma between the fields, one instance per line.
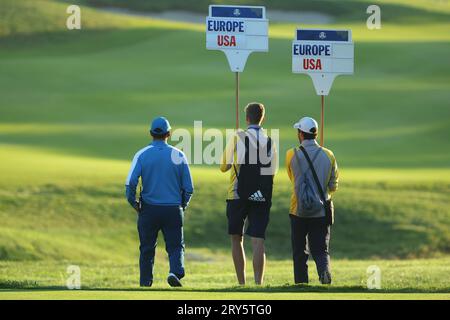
x=315, y=233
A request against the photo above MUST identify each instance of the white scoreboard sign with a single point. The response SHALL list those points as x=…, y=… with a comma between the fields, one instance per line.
x=237, y=31
x=323, y=55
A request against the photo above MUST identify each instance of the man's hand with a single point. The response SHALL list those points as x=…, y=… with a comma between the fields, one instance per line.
x=137, y=206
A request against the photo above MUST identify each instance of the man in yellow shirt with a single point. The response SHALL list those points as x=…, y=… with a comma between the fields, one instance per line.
x=251, y=157
x=310, y=221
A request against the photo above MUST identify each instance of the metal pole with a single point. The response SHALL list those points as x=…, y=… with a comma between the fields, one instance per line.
x=322, y=124
x=237, y=100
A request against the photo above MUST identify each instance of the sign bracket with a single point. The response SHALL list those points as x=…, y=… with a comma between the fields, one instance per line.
x=237, y=59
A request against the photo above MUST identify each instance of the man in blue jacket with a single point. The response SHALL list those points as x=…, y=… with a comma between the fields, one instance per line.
x=166, y=190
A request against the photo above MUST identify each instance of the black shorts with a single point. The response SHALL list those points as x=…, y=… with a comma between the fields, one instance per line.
x=256, y=213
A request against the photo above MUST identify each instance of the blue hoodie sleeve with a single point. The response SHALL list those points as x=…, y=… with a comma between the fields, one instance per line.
x=133, y=180
x=187, y=186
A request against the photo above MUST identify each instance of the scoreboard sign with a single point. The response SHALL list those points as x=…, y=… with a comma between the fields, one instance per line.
x=323, y=55
x=237, y=31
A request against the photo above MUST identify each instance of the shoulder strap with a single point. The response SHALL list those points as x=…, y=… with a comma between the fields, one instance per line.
x=246, y=144
x=316, y=178
x=297, y=158
x=268, y=147
x=235, y=171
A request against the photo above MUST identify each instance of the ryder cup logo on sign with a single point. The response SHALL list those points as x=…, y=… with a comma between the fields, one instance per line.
x=323, y=55
x=237, y=31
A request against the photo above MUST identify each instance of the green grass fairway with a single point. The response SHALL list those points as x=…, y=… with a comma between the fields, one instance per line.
x=211, y=276
x=76, y=105
x=175, y=295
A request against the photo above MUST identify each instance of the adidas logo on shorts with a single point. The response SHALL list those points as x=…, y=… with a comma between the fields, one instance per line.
x=257, y=196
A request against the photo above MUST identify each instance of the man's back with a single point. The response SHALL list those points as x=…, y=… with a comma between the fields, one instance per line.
x=324, y=164
x=164, y=172
x=234, y=155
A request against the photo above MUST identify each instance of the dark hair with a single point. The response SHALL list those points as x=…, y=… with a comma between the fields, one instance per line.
x=255, y=112
x=159, y=136
x=308, y=136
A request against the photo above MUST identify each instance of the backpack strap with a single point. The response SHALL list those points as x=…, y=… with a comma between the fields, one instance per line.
x=298, y=158
x=235, y=172
x=269, y=149
x=246, y=146
x=316, y=178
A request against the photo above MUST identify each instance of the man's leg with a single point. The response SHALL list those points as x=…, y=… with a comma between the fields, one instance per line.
x=237, y=251
x=258, y=220
x=259, y=259
x=319, y=241
x=236, y=214
x=172, y=229
x=299, y=250
x=148, y=228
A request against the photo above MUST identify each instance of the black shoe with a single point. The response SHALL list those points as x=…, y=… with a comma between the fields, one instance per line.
x=173, y=280
x=148, y=285
x=325, y=278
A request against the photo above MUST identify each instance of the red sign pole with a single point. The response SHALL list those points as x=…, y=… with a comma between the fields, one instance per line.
x=322, y=124
x=237, y=100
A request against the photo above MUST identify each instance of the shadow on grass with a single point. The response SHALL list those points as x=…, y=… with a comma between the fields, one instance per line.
x=359, y=232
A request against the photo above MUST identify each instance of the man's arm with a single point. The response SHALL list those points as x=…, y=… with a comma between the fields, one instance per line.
x=187, y=186
x=132, y=181
x=289, y=156
x=333, y=184
x=228, y=155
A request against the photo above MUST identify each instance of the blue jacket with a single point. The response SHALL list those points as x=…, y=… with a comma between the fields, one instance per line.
x=165, y=175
